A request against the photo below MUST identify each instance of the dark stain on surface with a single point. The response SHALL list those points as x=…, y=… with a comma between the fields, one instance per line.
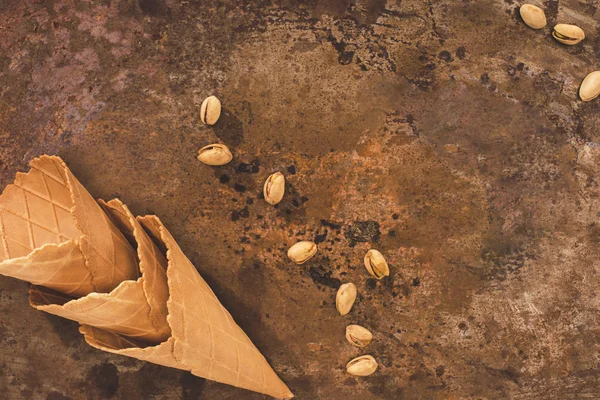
x=224, y=179
x=331, y=225
x=237, y=214
x=150, y=7
x=251, y=168
x=239, y=188
x=229, y=129
x=551, y=11
x=65, y=329
x=363, y=231
x=322, y=276
x=509, y=374
x=372, y=10
x=439, y=370
x=105, y=378
x=345, y=57
x=320, y=238
x=445, y=55
x=484, y=79
x=191, y=386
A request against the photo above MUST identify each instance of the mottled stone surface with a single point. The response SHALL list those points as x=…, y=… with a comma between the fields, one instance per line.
x=445, y=133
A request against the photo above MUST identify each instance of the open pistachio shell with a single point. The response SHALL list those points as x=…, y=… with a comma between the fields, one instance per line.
x=274, y=188
x=362, y=366
x=568, y=34
x=215, y=154
x=301, y=252
x=210, y=110
x=376, y=265
x=358, y=336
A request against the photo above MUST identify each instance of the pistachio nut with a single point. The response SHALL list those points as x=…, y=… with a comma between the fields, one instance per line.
x=362, y=366
x=215, y=154
x=376, y=264
x=358, y=336
x=345, y=297
x=274, y=188
x=301, y=252
x=533, y=16
x=210, y=110
x=568, y=34
x=590, y=87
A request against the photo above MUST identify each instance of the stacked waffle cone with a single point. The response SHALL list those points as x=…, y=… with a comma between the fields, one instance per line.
x=124, y=279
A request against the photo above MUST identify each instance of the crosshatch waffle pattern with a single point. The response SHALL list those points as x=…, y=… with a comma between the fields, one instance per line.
x=136, y=309
x=57, y=267
x=110, y=257
x=125, y=310
x=38, y=233
x=168, y=316
x=207, y=339
x=47, y=207
x=152, y=263
x=36, y=210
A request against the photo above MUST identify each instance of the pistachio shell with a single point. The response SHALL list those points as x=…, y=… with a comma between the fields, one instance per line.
x=301, y=252
x=590, y=87
x=358, y=336
x=533, y=16
x=362, y=366
x=568, y=34
x=376, y=265
x=274, y=188
x=215, y=154
x=345, y=297
x=210, y=110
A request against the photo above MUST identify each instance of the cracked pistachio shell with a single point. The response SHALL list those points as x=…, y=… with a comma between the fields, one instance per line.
x=362, y=366
x=590, y=87
x=210, y=110
x=358, y=336
x=533, y=16
x=215, y=154
x=376, y=264
x=345, y=297
x=568, y=34
x=274, y=188
x=301, y=252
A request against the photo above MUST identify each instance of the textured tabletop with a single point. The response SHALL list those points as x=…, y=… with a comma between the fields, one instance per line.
x=446, y=134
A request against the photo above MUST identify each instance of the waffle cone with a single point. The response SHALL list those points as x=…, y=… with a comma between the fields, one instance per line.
x=137, y=309
x=125, y=280
x=53, y=233
x=205, y=339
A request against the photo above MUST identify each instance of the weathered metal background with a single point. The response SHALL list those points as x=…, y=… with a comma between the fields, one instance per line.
x=445, y=133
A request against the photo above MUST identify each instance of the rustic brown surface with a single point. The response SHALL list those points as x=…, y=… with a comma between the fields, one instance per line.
x=444, y=133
